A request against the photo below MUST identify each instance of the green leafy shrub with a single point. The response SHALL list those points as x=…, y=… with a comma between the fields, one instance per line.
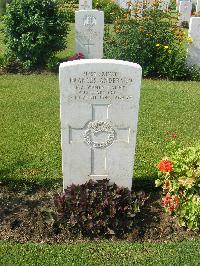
x=69, y=7
x=98, y=208
x=179, y=176
x=111, y=9
x=173, y=5
x=2, y=61
x=152, y=40
x=35, y=31
x=53, y=64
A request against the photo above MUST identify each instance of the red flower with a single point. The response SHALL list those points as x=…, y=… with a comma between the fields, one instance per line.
x=165, y=166
x=166, y=199
x=171, y=207
x=172, y=203
x=173, y=135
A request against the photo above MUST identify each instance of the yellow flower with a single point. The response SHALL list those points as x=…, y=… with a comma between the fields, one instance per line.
x=157, y=45
x=166, y=46
x=189, y=39
x=141, y=29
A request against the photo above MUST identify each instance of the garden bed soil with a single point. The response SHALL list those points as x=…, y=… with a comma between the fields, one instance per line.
x=23, y=217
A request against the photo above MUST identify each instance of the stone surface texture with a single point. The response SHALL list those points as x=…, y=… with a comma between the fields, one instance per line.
x=194, y=46
x=89, y=26
x=198, y=7
x=164, y=5
x=99, y=115
x=185, y=9
x=122, y=3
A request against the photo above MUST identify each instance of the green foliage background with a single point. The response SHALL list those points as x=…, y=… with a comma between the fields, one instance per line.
x=35, y=31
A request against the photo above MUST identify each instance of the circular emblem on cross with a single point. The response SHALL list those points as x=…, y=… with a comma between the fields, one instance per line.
x=96, y=127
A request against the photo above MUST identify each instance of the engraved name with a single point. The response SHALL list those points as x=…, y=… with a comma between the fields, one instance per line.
x=105, y=85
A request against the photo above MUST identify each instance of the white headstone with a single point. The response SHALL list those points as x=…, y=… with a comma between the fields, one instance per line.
x=89, y=26
x=194, y=46
x=198, y=7
x=178, y=2
x=99, y=114
x=164, y=5
x=123, y=3
x=185, y=9
x=85, y=4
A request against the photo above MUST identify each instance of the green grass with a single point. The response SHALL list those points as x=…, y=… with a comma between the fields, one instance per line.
x=30, y=127
x=165, y=106
x=70, y=50
x=30, y=134
x=101, y=253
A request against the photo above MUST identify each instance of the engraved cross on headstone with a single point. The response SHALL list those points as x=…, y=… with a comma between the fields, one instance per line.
x=99, y=114
x=88, y=44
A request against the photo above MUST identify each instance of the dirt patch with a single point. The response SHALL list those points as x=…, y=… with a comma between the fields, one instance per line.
x=23, y=217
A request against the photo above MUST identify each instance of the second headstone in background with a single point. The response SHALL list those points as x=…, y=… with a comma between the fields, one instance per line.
x=122, y=3
x=194, y=46
x=85, y=4
x=89, y=26
x=164, y=5
x=185, y=9
x=198, y=7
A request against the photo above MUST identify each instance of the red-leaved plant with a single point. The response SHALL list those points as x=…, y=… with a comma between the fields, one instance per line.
x=98, y=208
x=77, y=56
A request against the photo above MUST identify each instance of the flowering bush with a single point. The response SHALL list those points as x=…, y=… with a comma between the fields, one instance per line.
x=179, y=176
x=153, y=40
x=165, y=166
x=111, y=9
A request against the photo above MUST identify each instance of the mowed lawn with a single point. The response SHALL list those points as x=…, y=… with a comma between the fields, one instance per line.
x=101, y=253
x=30, y=126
